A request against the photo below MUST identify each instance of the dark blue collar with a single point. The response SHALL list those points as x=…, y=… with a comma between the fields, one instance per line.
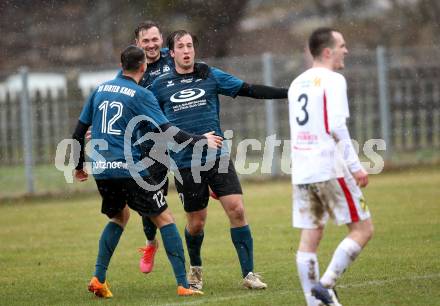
x=127, y=78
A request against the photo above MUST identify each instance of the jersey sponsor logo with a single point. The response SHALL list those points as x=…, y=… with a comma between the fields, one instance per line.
x=304, y=83
x=306, y=138
x=155, y=72
x=187, y=95
x=170, y=83
x=109, y=165
x=186, y=80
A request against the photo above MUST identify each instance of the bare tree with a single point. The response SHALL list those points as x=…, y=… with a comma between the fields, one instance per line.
x=216, y=23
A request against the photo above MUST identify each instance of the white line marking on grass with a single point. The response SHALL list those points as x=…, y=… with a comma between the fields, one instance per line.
x=391, y=280
x=206, y=299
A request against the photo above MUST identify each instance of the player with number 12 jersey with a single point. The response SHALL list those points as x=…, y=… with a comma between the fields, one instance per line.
x=109, y=109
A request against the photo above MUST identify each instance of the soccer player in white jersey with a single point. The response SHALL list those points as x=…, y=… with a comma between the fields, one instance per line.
x=326, y=172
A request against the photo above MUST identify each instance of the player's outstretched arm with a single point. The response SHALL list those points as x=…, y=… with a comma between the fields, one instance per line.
x=180, y=136
x=78, y=134
x=262, y=91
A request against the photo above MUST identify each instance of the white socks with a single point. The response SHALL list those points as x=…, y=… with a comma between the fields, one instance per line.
x=344, y=255
x=308, y=270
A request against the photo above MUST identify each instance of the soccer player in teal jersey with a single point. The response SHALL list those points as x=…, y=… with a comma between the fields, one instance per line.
x=192, y=103
x=148, y=36
x=110, y=110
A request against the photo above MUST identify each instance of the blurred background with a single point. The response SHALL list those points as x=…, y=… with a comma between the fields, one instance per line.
x=53, y=53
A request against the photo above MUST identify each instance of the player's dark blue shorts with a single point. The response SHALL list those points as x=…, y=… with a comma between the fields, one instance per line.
x=159, y=173
x=116, y=193
x=222, y=180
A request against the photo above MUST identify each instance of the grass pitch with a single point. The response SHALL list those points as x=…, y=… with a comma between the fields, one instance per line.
x=48, y=250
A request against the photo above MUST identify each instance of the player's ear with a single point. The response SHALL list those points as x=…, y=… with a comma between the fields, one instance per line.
x=143, y=67
x=172, y=53
x=327, y=52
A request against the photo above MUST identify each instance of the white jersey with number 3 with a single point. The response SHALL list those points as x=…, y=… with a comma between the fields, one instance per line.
x=317, y=105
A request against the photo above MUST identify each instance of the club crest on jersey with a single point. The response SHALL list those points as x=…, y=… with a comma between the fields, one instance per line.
x=166, y=68
x=317, y=82
x=187, y=95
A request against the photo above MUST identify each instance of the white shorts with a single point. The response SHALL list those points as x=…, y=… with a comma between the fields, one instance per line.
x=340, y=198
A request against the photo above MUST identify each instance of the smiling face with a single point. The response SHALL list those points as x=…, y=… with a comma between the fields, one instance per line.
x=183, y=54
x=328, y=49
x=338, y=51
x=151, y=41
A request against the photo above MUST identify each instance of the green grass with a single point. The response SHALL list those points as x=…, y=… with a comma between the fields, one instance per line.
x=48, y=249
x=47, y=180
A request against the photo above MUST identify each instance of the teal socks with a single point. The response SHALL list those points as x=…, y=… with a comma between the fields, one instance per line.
x=107, y=245
x=242, y=240
x=174, y=248
x=193, y=245
x=150, y=228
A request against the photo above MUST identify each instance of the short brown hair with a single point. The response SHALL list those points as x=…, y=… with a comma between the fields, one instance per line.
x=321, y=38
x=145, y=26
x=178, y=35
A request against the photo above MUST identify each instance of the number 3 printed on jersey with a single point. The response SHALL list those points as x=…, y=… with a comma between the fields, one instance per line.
x=107, y=127
x=301, y=120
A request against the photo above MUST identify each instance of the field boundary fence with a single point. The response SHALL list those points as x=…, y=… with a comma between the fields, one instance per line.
x=394, y=94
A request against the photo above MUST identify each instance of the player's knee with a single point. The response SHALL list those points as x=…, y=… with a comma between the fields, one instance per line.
x=366, y=230
x=369, y=231
x=196, y=227
x=310, y=239
x=319, y=235
x=163, y=219
x=236, y=211
x=363, y=232
x=122, y=217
